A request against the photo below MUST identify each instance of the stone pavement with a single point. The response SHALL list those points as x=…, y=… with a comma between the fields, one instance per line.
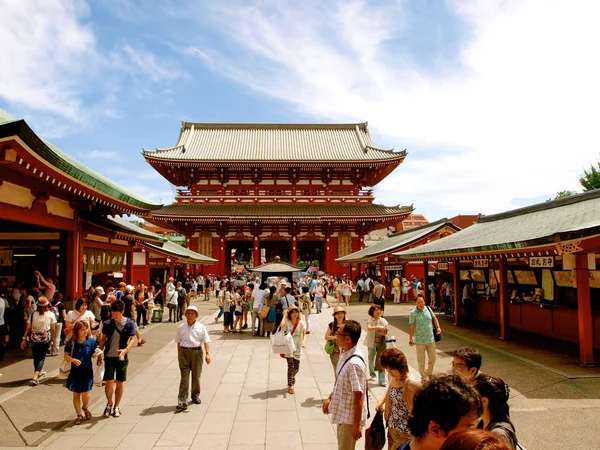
x=245, y=400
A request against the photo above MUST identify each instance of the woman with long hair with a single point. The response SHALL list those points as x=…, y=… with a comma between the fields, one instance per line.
x=339, y=317
x=291, y=323
x=79, y=352
x=228, y=307
x=39, y=330
x=397, y=402
x=496, y=412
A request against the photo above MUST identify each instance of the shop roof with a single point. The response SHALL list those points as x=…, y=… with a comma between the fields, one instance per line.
x=232, y=211
x=181, y=253
x=396, y=241
x=127, y=228
x=543, y=224
x=69, y=166
x=214, y=142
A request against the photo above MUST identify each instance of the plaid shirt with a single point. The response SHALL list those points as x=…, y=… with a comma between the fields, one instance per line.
x=351, y=378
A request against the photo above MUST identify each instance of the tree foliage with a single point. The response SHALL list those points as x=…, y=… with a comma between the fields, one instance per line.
x=591, y=178
x=562, y=194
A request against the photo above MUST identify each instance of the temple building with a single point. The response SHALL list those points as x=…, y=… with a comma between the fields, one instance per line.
x=247, y=193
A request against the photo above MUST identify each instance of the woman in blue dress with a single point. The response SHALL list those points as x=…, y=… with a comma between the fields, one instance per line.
x=79, y=351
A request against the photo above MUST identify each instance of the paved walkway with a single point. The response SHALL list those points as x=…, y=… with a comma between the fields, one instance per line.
x=244, y=401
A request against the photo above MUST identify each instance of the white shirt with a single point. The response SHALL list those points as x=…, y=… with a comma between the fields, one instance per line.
x=2, y=309
x=74, y=314
x=171, y=297
x=257, y=296
x=192, y=336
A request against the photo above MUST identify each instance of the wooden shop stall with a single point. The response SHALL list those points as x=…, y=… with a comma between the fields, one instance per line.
x=532, y=269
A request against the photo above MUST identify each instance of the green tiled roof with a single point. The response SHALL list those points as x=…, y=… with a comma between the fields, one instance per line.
x=542, y=224
x=132, y=228
x=395, y=241
x=180, y=252
x=70, y=166
x=232, y=211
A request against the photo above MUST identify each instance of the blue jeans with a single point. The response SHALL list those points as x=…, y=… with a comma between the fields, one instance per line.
x=39, y=355
x=319, y=302
x=220, y=312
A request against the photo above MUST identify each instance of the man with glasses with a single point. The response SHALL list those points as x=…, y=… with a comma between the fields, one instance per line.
x=346, y=404
x=466, y=363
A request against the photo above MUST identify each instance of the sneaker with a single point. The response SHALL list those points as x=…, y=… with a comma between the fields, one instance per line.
x=34, y=382
x=141, y=342
x=196, y=401
x=116, y=412
x=181, y=407
x=41, y=375
x=107, y=411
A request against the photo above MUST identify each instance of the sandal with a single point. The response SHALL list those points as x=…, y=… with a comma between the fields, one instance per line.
x=79, y=420
x=290, y=390
x=88, y=414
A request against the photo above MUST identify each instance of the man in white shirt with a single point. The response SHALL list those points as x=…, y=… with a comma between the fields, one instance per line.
x=258, y=296
x=191, y=337
x=347, y=404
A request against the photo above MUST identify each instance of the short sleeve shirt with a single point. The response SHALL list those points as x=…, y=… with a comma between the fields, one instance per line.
x=352, y=377
x=423, y=326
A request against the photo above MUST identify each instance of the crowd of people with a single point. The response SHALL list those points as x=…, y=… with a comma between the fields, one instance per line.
x=465, y=409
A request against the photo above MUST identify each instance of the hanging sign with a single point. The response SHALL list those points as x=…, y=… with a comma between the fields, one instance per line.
x=545, y=262
x=394, y=267
x=480, y=263
x=442, y=266
x=6, y=257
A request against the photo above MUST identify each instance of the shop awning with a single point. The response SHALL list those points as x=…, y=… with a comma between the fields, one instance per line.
x=396, y=241
x=542, y=225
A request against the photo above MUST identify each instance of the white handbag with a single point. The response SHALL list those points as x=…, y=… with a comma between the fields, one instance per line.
x=283, y=343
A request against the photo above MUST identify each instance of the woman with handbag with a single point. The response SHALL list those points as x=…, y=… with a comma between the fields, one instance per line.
x=79, y=352
x=292, y=324
x=171, y=301
x=339, y=318
x=39, y=330
x=397, y=402
x=268, y=323
x=238, y=309
x=228, y=307
x=375, y=342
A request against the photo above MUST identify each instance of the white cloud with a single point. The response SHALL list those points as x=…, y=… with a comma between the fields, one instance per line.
x=513, y=119
x=46, y=49
x=139, y=62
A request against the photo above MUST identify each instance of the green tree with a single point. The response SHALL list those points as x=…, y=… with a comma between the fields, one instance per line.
x=591, y=178
x=562, y=194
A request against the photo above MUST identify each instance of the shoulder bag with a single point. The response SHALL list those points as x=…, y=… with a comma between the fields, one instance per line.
x=329, y=347
x=264, y=311
x=65, y=366
x=436, y=336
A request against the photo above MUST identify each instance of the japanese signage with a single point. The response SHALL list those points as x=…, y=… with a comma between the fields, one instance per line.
x=6, y=257
x=544, y=262
x=480, y=263
x=394, y=267
x=442, y=266
x=99, y=260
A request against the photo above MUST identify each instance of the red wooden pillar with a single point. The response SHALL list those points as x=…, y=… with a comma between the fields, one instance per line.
x=294, y=253
x=426, y=282
x=172, y=268
x=457, y=293
x=382, y=268
x=129, y=267
x=326, y=257
x=74, y=265
x=222, y=255
x=256, y=256
x=584, y=310
x=504, y=300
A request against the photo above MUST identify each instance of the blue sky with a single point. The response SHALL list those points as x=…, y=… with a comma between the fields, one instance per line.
x=495, y=101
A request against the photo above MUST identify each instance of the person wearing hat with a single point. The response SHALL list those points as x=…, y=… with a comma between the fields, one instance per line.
x=191, y=337
x=121, y=290
x=339, y=318
x=40, y=328
x=396, y=289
